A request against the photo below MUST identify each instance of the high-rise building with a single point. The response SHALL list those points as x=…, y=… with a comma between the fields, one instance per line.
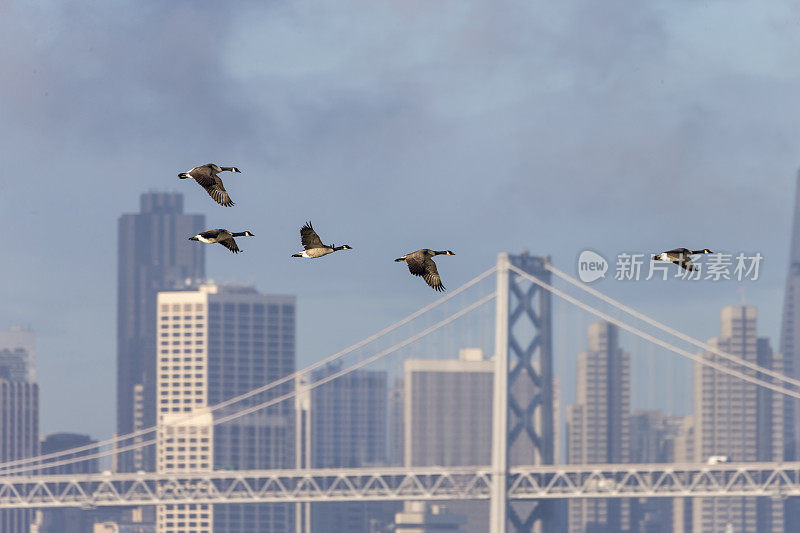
x=734, y=419
x=448, y=410
x=69, y=519
x=790, y=331
x=18, y=354
x=19, y=414
x=683, y=452
x=598, y=424
x=154, y=254
x=215, y=343
x=448, y=419
x=348, y=419
x=790, y=352
x=653, y=436
x=348, y=430
x=58, y=442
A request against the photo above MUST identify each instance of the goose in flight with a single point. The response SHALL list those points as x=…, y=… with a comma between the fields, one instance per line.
x=680, y=256
x=206, y=176
x=221, y=236
x=420, y=263
x=312, y=244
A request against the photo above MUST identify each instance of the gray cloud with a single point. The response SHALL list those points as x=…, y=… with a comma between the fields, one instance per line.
x=475, y=126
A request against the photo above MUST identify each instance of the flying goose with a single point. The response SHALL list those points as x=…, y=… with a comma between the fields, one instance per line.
x=206, y=176
x=222, y=236
x=313, y=246
x=420, y=263
x=680, y=256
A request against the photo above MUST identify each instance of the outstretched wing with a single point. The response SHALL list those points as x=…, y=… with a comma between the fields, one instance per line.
x=416, y=263
x=211, y=233
x=230, y=244
x=309, y=237
x=679, y=251
x=686, y=264
x=431, y=275
x=217, y=191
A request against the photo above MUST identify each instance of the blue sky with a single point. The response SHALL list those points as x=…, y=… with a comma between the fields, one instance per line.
x=472, y=126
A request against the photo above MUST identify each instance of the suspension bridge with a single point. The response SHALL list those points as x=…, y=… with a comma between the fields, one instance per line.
x=521, y=480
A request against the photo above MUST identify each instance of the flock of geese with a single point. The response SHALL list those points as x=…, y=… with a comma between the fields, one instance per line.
x=420, y=263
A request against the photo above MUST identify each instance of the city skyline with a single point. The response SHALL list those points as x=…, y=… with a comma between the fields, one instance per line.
x=552, y=154
x=543, y=142
x=185, y=317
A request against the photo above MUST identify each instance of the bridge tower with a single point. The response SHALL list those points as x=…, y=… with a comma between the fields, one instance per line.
x=522, y=419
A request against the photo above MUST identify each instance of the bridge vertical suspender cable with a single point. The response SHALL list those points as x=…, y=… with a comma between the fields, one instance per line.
x=252, y=409
x=646, y=336
x=665, y=328
x=114, y=440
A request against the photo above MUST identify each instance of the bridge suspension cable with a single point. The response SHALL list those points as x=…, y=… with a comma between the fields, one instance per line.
x=672, y=331
x=37, y=461
x=273, y=401
x=646, y=336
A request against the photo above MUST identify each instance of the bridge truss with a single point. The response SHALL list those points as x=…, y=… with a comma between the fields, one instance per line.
x=777, y=480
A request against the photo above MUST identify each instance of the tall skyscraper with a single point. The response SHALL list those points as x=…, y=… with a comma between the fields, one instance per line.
x=348, y=419
x=348, y=430
x=448, y=410
x=598, y=424
x=154, y=254
x=653, y=436
x=734, y=419
x=19, y=414
x=789, y=361
x=58, y=442
x=18, y=354
x=790, y=334
x=215, y=343
x=448, y=420
x=69, y=519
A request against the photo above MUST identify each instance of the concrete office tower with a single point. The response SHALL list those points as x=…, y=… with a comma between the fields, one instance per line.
x=653, y=436
x=790, y=333
x=682, y=508
x=448, y=419
x=448, y=410
x=18, y=354
x=348, y=419
x=154, y=254
x=58, y=442
x=598, y=424
x=69, y=519
x=421, y=517
x=790, y=349
x=19, y=428
x=348, y=430
x=733, y=419
x=215, y=343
